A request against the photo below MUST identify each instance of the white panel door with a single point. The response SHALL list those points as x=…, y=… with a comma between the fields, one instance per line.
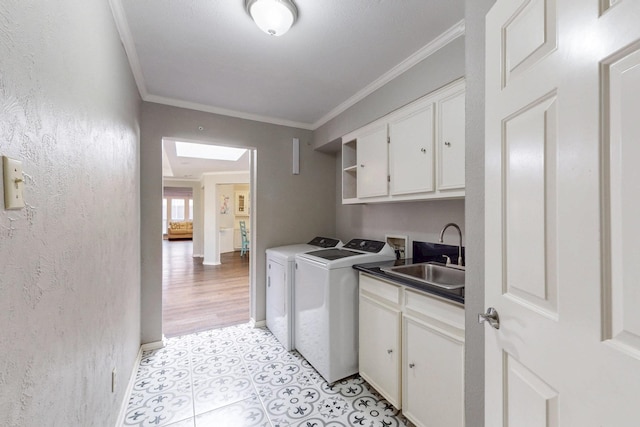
x=562, y=208
x=372, y=166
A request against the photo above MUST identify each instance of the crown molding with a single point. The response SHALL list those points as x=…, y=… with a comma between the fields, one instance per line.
x=126, y=38
x=224, y=112
x=445, y=38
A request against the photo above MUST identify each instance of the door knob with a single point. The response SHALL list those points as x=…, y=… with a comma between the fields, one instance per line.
x=490, y=316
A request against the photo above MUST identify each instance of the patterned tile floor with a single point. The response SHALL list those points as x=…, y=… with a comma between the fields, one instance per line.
x=240, y=377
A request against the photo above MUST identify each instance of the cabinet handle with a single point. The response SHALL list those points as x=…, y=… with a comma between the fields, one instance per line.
x=447, y=143
x=424, y=150
x=411, y=365
x=361, y=165
x=389, y=351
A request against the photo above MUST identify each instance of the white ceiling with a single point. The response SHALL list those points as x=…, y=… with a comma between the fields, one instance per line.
x=188, y=168
x=209, y=55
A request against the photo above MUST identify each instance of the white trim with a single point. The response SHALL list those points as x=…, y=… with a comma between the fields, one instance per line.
x=154, y=345
x=197, y=256
x=246, y=172
x=211, y=263
x=122, y=25
x=132, y=380
x=170, y=178
x=257, y=324
x=225, y=112
x=443, y=39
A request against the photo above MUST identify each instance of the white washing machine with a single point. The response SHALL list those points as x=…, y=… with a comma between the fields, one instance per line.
x=280, y=278
x=326, y=305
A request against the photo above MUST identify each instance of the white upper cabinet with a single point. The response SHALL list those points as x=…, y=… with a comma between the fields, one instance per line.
x=372, y=162
x=414, y=153
x=451, y=141
x=411, y=151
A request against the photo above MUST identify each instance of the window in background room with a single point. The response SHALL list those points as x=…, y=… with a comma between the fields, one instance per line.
x=190, y=209
x=177, y=209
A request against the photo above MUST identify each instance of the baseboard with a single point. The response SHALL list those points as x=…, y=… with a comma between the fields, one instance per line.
x=258, y=324
x=198, y=256
x=132, y=381
x=154, y=345
x=210, y=263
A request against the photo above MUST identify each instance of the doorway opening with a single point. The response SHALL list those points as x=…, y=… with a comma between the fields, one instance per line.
x=206, y=264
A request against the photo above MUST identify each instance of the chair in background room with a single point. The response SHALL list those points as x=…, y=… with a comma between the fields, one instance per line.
x=245, y=240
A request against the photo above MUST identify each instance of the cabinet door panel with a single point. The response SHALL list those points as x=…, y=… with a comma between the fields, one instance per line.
x=451, y=143
x=379, y=353
x=433, y=382
x=411, y=152
x=372, y=158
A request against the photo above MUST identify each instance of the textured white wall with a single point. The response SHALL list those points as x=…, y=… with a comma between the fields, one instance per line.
x=70, y=261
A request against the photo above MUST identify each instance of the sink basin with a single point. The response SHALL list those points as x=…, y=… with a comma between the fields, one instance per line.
x=430, y=273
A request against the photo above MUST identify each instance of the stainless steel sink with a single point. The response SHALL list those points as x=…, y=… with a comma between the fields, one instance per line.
x=430, y=273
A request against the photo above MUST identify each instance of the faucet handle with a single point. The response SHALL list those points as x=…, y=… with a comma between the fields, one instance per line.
x=448, y=259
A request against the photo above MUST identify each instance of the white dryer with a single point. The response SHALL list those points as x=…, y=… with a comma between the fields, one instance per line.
x=280, y=279
x=326, y=305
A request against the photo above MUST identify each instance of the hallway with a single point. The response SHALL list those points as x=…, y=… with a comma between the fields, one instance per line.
x=197, y=297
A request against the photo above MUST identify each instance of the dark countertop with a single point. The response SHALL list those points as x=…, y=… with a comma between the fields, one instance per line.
x=373, y=269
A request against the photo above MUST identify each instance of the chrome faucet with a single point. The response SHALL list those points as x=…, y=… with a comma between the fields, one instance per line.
x=451, y=224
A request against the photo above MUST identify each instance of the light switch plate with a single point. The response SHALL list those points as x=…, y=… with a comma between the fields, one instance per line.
x=13, y=183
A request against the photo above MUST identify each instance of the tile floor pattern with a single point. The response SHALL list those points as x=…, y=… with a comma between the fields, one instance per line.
x=241, y=376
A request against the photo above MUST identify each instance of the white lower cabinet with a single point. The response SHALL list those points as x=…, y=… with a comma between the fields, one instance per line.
x=379, y=330
x=412, y=351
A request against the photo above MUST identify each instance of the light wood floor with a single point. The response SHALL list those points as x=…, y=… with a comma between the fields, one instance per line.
x=199, y=297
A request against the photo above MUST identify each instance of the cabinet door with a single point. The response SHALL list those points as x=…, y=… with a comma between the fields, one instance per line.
x=379, y=353
x=451, y=142
x=372, y=158
x=411, y=151
x=433, y=373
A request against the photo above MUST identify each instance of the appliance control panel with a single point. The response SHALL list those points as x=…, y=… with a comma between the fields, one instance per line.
x=324, y=242
x=373, y=246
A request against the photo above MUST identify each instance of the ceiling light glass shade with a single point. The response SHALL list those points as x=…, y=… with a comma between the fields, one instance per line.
x=274, y=17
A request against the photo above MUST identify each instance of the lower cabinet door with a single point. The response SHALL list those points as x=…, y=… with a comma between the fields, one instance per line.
x=379, y=354
x=433, y=376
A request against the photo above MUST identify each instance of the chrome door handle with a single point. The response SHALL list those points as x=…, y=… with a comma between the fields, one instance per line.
x=491, y=316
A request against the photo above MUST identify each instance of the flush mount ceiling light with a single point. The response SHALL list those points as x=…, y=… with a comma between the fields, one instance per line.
x=274, y=17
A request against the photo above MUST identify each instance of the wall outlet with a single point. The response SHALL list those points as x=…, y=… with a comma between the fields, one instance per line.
x=113, y=380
